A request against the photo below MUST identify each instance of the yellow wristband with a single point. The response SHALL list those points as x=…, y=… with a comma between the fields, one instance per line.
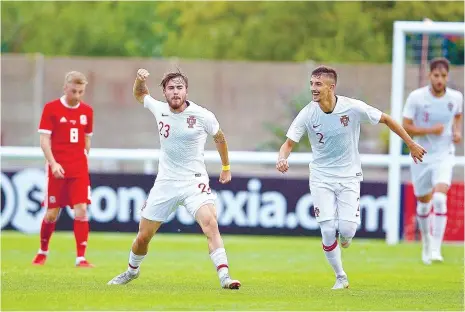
x=226, y=168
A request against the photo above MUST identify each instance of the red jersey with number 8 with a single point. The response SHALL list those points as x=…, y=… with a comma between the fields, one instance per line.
x=68, y=127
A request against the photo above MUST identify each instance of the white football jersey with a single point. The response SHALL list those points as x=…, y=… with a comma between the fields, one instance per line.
x=426, y=111
x=334, y=138
x=182, y=139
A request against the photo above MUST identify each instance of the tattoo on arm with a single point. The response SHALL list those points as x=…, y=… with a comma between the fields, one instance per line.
x=140, y=89
x=219, y=137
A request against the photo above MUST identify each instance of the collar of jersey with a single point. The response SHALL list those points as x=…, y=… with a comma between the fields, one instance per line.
x=63, y=101
x=435, y=97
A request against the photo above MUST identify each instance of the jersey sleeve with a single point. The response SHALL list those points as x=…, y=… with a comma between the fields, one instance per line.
x=367, y=113
x=89, y=131
x=46, y=125
x=152, y=104
x=459, y=104
x=298, y=126
x=211, y=124
x=409, y=108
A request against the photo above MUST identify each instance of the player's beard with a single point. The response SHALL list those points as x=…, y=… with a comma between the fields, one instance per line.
x=438, y=89
x=176, y=102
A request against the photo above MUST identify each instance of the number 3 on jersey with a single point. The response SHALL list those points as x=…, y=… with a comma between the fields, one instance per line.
x=73, y=135
x=164, y=129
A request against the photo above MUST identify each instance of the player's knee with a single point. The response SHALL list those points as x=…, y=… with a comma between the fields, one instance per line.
x=439, y=203
x=328, y=232
x=143, y=238
x=80, y=211
x=52, y=215
x=210, y=226
x=347, y=229
x=206, y=217
x=423, y=209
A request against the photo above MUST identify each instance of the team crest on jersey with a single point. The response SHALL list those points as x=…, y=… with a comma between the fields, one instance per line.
x=345, y=120
x=317, y=212
x=52, y=200
x=83, y=120
x=450, y=106
x=191, y=121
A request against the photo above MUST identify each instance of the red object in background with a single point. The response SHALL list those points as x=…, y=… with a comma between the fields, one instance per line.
x=455, y=214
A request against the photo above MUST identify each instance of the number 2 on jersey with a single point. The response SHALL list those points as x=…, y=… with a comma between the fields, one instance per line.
x=320, y=135
x=164, y=129
x=73, y=135
x=204, y=188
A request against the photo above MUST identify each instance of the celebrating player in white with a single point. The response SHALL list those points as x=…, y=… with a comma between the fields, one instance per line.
x=432, y=116
x=182, y=177
x=333, y=126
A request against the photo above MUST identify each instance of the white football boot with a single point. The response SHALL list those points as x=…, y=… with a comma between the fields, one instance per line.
x=124, y=278
x=228, y=283
x=341, y=282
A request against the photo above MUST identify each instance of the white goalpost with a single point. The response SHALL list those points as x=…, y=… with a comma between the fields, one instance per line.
x=401, y=29
x=394, y=160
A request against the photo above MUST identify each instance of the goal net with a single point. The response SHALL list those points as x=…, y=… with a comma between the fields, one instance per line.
x=414, y=45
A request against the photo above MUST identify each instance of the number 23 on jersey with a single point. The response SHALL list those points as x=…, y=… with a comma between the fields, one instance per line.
x=164, y=129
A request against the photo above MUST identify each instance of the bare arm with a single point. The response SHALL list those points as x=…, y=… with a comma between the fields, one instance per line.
x=396, y=127
x=222, y=147
x=286, y=149
x=282, y=164
x=88, y=141
x=46, y=145
x=416, y=150
x=140, y=89
x=419, y=131
x=457, y=122
x=457, y=128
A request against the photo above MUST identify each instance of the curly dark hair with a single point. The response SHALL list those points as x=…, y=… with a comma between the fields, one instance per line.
x=439, y=62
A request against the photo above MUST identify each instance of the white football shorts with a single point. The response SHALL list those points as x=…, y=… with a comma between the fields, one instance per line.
x=336, y=201
x=426, y=175
x=165, y=197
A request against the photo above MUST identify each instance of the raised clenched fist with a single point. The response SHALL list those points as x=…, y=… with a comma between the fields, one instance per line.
x=142, y=74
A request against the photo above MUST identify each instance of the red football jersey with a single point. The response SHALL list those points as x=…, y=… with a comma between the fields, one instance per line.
x=68, y=127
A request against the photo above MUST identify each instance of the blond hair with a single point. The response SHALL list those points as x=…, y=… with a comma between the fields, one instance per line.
x=75, y=77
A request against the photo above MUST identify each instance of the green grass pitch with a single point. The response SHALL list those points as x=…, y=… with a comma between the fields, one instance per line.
x=277, y=273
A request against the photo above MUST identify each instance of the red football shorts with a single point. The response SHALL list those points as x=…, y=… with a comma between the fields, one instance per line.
x=66, y=192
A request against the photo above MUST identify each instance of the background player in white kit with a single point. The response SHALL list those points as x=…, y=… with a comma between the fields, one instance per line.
x=182, y=178
x=333, y=126
x=432, y=115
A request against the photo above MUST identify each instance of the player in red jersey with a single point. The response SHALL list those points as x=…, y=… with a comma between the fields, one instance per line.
x=65, y=131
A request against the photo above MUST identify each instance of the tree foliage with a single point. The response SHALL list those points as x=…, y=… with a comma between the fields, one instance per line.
x=330, y=31
x=81, y=28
